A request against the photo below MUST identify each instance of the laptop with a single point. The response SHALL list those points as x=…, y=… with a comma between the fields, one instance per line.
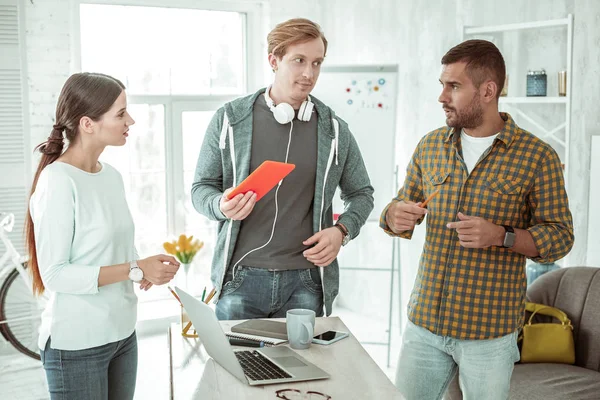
x=259, y=366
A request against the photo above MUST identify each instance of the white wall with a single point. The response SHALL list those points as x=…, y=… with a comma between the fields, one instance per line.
x=585, y=117
x=48, y=43
x=414, y=35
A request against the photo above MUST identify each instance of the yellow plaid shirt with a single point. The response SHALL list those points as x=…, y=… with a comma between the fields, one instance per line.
x=479, y=293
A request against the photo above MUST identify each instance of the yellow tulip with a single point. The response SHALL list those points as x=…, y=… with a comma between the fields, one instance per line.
x=182, y=240
x=169, y=248
x=184, y=247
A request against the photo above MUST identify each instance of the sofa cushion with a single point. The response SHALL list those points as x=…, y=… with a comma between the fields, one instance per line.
x=546, y=382
x=554, y=381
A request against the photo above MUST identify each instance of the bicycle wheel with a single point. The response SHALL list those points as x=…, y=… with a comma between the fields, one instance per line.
x=22, y=312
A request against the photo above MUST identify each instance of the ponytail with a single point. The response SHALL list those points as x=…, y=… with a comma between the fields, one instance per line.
x=51, y=149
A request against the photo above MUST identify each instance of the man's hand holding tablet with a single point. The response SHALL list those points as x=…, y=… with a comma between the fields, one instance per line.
x=239, y=207
x=237, y=203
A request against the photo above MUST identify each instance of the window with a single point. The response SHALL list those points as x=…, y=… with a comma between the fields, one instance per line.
x=142, y=164
x=194, y=125
x=179, y=63
x=165, y=50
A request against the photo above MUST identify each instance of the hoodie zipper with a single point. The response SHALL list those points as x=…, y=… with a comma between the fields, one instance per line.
x=224, y=131
x=334, y=150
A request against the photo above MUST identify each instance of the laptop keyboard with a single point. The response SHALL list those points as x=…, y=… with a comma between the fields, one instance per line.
x=259, y=368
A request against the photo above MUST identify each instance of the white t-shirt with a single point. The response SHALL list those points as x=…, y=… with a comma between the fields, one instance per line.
x=82, y=222
x=474, y=147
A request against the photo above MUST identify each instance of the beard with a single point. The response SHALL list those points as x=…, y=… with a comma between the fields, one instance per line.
x=470, y=117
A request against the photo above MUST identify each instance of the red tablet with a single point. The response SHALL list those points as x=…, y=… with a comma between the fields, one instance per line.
x=263, y=179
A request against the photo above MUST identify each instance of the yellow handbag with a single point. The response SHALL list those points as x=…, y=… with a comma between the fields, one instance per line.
x=547, y=342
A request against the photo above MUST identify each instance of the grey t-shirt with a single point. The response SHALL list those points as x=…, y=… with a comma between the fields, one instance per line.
x=295, y=197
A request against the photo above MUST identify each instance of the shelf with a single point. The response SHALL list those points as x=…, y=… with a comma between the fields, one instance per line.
x=513, y=27
x=533, y=100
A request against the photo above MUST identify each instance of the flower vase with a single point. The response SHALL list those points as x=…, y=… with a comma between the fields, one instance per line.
x=184, y=276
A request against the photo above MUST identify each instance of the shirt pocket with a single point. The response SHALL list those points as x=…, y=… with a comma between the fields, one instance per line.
x=503, y=200
x=505, y=187
x=438, y=177
x=436, y=180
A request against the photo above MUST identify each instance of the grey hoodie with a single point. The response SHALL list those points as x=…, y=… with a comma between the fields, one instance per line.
x=224, y=161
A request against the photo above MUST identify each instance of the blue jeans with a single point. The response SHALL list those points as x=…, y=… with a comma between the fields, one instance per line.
x=99, y=373
x=260, y=293
x=428, y=363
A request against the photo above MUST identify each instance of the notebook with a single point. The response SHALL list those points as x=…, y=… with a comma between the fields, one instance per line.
x=267, y=340
x=262, y=328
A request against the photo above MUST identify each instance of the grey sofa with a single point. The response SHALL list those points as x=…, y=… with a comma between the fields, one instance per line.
x=576, y=291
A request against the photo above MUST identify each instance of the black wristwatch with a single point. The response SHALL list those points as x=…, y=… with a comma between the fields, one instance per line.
x=509, y=236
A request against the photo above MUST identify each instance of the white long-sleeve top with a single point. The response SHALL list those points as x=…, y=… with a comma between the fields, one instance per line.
x=82, y=222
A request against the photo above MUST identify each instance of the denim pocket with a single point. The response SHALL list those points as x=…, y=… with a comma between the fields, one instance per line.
x=311, y=279
x=234, y=284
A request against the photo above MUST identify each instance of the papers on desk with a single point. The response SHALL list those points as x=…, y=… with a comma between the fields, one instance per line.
x=267, y=340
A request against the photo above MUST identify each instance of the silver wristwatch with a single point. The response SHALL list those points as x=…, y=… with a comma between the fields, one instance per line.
x=135, y=272
x=509, y=236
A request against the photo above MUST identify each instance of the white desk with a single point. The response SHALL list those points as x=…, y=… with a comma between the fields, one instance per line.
x=354, y=374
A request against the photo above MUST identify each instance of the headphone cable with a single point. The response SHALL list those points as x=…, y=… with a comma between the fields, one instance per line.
x=287, y=153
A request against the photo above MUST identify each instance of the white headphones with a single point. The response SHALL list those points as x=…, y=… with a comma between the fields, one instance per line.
x=284, y=113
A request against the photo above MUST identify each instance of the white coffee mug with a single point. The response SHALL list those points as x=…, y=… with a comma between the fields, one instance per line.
x=300, y=327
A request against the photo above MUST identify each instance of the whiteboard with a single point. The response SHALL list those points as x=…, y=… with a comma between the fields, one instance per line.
x=593, y=244
x=366, y=97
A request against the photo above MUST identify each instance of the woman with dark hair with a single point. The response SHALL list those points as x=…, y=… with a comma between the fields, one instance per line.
x=80, y=238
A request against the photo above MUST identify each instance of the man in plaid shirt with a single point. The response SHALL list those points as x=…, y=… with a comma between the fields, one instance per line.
x=501, y=200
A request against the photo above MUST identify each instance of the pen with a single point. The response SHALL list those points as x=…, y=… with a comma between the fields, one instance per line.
x=210, y=295
x=175, y=294
x=424, y=204
x=247, y=343
x=204, y=293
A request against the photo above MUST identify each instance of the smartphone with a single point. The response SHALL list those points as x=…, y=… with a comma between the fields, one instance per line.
x=329, y=337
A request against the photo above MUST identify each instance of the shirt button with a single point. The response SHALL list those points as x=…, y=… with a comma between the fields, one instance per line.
x=446, y=293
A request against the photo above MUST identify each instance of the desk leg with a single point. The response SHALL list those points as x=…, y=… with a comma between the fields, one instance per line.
x=169, y=333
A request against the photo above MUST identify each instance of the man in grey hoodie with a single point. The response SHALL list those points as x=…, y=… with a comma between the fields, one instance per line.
x=280, y=253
